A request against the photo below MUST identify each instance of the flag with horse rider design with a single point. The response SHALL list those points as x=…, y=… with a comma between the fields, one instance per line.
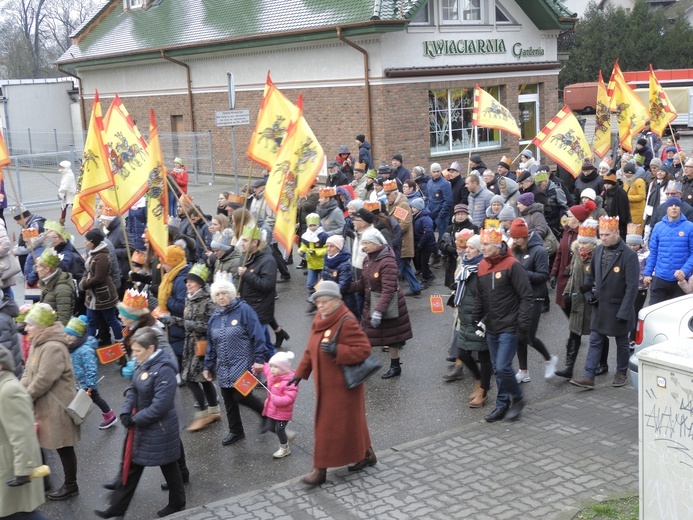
x=563, y=140
x=489, y=113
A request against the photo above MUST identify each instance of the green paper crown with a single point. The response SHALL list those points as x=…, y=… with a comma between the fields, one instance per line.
x=51, y=225
x=49, y=258
x=41, y=315
x=252, y=233
x=200, y=270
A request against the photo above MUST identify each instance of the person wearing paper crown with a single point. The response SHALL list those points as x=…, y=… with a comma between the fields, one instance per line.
x=82, y=349
x=57, y=287
x=235, y=343
x=502, y=312
x=55, y=236
x=198, y=310
x=612, y=281
x=579, y=308
x=25, y=220
x=50, y=381
x=313, y=249
x=331, y=215
x=225, y=257
x=171, y=297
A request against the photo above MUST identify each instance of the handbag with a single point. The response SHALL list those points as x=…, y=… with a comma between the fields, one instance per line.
x=356, y=374
x=550, y=243
x=9, y=266
x=79, y=408
x=200, y=347
x=392, y=310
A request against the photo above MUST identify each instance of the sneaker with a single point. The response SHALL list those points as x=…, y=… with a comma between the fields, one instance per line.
x=282, y=452
x=522, y=377
x=109, y=419
x=620, y=380
x=550, y=367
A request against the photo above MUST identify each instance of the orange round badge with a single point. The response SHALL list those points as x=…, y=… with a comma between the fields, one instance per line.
x=617, y=269
x=376, y=275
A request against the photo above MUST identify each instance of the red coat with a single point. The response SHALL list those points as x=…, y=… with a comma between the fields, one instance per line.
x=562, y=262
x=380, y=275
x=341, y=431
x=181, y=179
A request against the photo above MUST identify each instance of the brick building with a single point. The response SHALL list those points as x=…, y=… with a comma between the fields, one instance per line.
x=402, y=72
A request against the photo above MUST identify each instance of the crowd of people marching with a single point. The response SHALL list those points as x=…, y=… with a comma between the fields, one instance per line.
x=202, y=314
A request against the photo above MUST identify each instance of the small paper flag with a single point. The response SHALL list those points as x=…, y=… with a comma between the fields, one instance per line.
x=245, y=383
x=110, y=353
x=401, y=213
x=437, y=303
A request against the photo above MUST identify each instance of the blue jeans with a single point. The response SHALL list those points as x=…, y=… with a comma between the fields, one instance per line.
x=268, y=341
x=406, y=270
x=503, y=348
x=111, y=317
x=313, y=277
x=442, y=222
x=172, y=203
x=595, y=352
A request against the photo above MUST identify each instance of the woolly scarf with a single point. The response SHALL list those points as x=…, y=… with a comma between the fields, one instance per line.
x=469, y=266
x=166, y=285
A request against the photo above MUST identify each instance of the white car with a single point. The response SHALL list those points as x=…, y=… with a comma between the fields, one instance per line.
x=657, y=323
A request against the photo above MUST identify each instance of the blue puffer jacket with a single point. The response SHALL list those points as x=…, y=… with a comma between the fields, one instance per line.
x=235, y=340
x=176, y=306
x=424, y=238
x=152, y=393
x=338, y=269
x=135, y=225
x=83, y=357
x=671, y=249
x=70, y=262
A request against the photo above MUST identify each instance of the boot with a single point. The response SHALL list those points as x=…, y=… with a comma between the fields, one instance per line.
x=603, y=367
x=65, y=492
x=454, y=373
x=201, y=419
x=477, y=389
x=68, y=458
x=282, y=452
x=215, y=413
x=281, y=336
x=109, y=419
x=572, y=348
x=316, y=477
x=369, y=460
x=480, y=399
x=394, y=370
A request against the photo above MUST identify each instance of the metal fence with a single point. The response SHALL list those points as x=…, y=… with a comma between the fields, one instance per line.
x=33, y=178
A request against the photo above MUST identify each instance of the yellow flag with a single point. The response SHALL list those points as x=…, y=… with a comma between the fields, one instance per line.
x=272, y=122
x=4, y=157
x=127, y=154
x=489, y=113
x=157, y=194
x=631, y=112
x=563, y=140
x=602, y=120
x=95, y=174
x=662, y=112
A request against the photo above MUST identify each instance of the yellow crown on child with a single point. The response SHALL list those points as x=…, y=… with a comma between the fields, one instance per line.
x=608, y=223
x=491, y=236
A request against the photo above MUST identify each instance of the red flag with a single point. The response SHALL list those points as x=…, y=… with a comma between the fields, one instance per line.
x=110, y=353
x=245, y=383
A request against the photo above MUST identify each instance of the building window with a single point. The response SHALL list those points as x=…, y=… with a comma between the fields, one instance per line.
x=462, y=11
x=423, y=16
x=134, y=4
x=450, y=122
x=502, y=16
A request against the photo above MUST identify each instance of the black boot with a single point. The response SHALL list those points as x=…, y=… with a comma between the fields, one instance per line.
x=603, y=367
x=281, y=336
x=572, y=348
x=68, y=458
x=394, y=370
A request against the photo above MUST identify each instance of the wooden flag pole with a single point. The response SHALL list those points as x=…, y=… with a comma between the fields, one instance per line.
x=673, y=136
x=519, y=154
x=194, y=228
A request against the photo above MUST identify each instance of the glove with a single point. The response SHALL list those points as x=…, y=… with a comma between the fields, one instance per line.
x=128, y=370
x=350, y=233
x=165, y=319
x=294, y=381
x=592, y=300
x=189, y=324
x=553, y=281
x=621, y=320
x=140, y=277
x=522, y=336
x=18, y=481
x=126, y=420
x=480, y=329
x=376, y=318
x=329, y=347
x=585, y=289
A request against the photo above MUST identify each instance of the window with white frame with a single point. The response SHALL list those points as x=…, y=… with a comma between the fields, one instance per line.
x=462, y=11
x=133, y=4
x=423, y=16
x=450, y=122
x=503, y=16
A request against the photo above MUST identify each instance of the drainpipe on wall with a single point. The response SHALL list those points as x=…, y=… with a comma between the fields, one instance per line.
x=190, y=98
x=369, y=132
x=81, y=95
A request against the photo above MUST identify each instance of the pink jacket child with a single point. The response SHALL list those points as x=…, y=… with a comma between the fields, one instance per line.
x=279, y=405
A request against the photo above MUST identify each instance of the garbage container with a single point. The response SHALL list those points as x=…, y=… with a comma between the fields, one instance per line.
x=665, y=399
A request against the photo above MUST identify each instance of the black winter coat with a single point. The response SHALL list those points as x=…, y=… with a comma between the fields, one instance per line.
x=258, y=284
x=616, y=204
x=588, y=179
x=460, y=193
x=536, y=263
x=117, y=238
x=152, y=393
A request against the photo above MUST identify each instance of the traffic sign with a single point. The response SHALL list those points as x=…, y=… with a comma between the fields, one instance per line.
x=231, y=117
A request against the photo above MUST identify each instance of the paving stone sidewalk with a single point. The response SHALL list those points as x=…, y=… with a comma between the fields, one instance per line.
x=562, y=454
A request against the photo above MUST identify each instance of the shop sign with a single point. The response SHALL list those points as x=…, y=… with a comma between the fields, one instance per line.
x=434, y=48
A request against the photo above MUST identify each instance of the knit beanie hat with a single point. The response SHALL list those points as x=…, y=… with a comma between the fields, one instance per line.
x=507, y=213
x=519, y=229
x=497, y=198
x=418, y=203
x=672, y=201
x=461, y=208
x=95, y=236
x=373, y=236
x=629, y=168
x=582, y=211
x=77, y=326
x=174, y=255
x=589, y=193
x=41, y=315
x=282, y=360
x=337, y=241
x=642, y=141
x=356, y=204
x=475, y=241
x=526, y=199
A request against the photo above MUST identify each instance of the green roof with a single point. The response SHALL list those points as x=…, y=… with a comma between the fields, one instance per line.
x=185, y=26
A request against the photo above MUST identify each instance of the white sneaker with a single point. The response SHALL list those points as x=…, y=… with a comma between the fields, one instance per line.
x=282, y=452
x=550, y=367
x=522, y=377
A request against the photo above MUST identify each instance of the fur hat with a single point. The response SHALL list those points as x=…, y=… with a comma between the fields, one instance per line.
x=282, y=360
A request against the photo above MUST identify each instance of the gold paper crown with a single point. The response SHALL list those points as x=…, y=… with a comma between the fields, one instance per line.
x=327, y=192
x=588, y=229
x=634, y=229
x=491, y=236
x=138, y=257
x=360, y=166
x=236, y=199
x=390, y=185
x=49, y=258
x=135, y=299
x=29, y=233
x=371, y=206
x=608, y=223
x=492, y=223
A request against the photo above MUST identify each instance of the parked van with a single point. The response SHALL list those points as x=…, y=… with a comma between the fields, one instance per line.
x=581, y=97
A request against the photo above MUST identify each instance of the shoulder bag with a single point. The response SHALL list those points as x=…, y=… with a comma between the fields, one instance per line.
x=392, y=310
x=356, y=374
x=79, y=407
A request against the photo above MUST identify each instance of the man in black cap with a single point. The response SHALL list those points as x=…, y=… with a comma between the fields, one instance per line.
x=398, y=170
x=335, y=176
x=364, y=151
x=643, y=149
x=476, y=164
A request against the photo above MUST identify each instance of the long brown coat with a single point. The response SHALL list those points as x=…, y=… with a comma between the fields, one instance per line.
x=48, y=368
x=380, y=275
x=97, y=281
x=341, y=431
x=406, y=224
x=561, y=263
